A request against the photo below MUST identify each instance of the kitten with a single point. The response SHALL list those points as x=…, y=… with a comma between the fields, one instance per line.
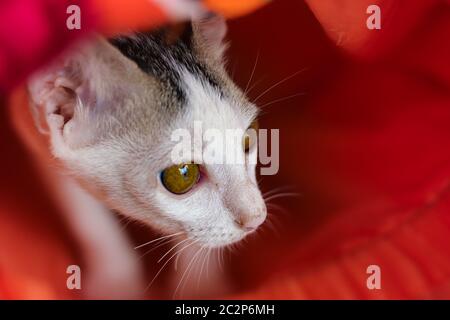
x=110, y=110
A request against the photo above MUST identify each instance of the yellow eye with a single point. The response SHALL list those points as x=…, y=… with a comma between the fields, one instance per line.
x=181, y=178
x=249, y=141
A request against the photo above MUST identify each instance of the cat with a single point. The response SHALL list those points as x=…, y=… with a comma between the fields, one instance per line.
x=109, y=109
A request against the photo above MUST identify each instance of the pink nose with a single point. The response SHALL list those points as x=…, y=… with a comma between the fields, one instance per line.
x=250, y=222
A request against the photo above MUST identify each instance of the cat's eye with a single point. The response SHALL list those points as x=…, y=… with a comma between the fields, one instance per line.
x=248, y=140
x=179, y=179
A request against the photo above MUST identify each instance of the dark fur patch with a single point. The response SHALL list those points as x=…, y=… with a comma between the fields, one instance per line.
x=159, y=54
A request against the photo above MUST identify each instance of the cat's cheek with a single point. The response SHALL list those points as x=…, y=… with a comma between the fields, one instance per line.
x=153, y=182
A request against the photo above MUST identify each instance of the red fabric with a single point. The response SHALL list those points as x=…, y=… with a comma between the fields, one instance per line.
x=367, y=147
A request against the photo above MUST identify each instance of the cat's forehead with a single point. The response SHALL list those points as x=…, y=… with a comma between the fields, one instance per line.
x=166, y=60
x=191, y=89
x=214, y=110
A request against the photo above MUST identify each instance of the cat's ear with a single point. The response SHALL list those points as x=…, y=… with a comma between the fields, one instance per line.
x=209, y=34
x=70, y=96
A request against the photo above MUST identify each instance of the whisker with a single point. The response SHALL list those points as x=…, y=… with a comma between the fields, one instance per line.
x=158, y=239
x=256, y=83
x=195, y=266
x=220, y=258
x=207, y=262
x=183, y=241
x=185, y=271
x=277, y=84
x=282, y=99
x=253, y=72
x=284, y=188
x=178, y=256
x=167, y=261
x=277, y=207
x=223, y=256
x=163, y=243
x=205, y=256
x=280, y=195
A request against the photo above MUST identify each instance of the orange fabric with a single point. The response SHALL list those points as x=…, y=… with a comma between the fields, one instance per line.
x=119, y=15
x=123, y=15
x=234, y=8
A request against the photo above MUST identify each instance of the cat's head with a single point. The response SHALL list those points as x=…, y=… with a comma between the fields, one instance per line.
x=111, y=109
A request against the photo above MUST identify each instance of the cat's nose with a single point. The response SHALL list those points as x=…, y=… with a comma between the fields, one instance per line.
x=250, y=222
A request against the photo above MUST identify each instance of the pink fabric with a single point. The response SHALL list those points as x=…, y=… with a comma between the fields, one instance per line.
x=32, y=32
